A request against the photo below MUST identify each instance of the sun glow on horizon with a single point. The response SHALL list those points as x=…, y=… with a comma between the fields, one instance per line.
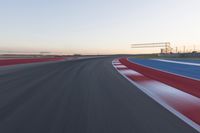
x=98, y=27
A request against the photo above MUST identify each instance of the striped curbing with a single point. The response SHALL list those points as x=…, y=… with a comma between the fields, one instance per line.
x=184, y=105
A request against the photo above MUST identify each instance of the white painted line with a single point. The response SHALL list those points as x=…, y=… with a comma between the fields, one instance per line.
x=116, y=63
x=163, y=90
x=120, y=66
x=129, y=72
x=178, y=62
x=115, y=60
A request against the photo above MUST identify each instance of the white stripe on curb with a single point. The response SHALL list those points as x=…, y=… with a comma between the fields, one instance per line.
x=120, y=66
x=130, y=72
x=116, y=63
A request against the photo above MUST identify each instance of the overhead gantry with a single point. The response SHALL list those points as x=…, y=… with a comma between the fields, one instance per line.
x=165, y=46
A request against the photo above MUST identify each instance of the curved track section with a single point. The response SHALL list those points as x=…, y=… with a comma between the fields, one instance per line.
x=82, y=96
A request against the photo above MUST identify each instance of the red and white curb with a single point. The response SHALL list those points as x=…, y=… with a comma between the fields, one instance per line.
x=182, y=104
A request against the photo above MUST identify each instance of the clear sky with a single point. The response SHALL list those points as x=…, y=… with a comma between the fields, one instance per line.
x=97, y=26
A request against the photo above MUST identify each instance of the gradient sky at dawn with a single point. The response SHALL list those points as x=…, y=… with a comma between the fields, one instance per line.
x=97, y=26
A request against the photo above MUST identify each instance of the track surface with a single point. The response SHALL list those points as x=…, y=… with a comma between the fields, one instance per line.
x=82, y=96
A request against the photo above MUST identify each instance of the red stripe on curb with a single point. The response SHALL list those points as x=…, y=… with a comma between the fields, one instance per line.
x=25, y=61
x=187, y=85
x=191, y=110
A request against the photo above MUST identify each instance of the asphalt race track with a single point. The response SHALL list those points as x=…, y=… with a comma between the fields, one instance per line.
x=80, y=96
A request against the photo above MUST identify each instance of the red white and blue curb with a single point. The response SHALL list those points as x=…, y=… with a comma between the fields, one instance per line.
x=182, y=104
